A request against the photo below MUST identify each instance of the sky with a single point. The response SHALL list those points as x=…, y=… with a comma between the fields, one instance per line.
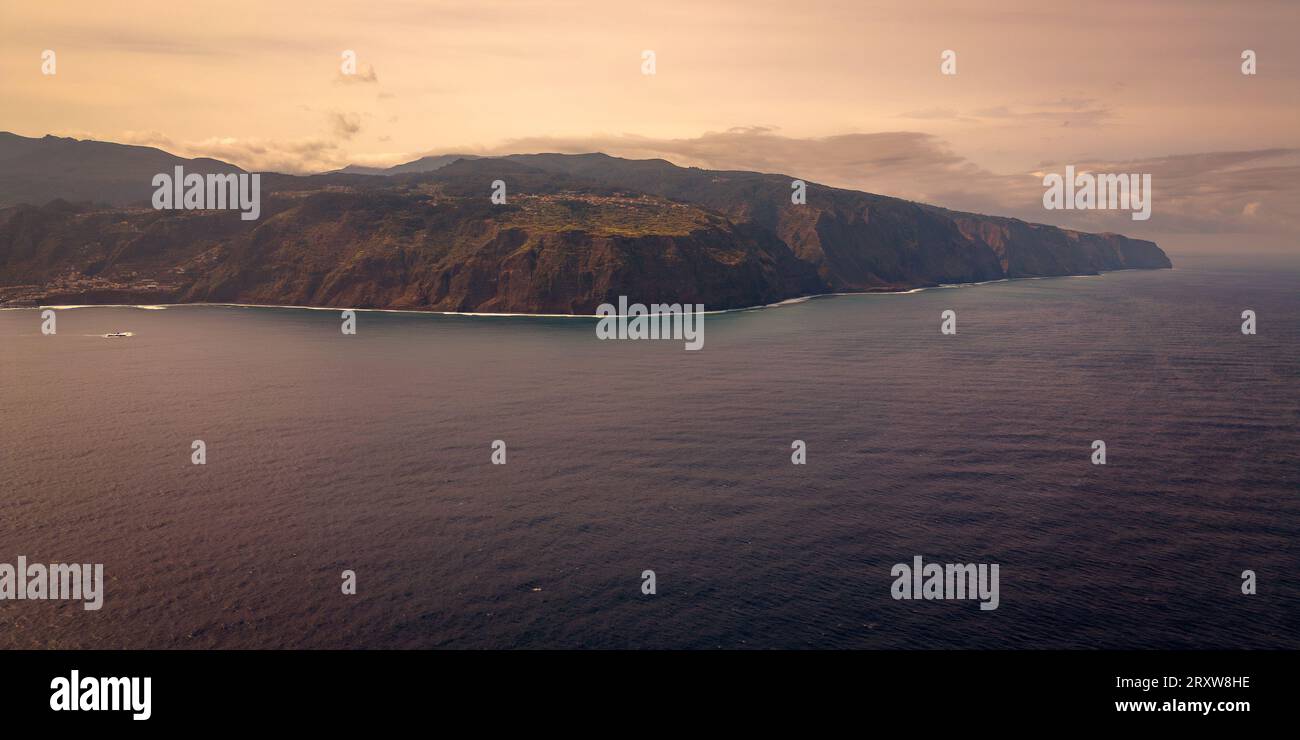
x=846, y=93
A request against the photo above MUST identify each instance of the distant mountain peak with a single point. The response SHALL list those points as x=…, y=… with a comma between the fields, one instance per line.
x=428, y=163
x=39, y=170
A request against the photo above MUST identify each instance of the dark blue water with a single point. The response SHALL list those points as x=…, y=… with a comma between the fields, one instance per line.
x=372, y=453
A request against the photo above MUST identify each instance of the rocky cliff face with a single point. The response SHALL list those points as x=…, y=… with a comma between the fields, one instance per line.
x=860, y=241
x=576, y=231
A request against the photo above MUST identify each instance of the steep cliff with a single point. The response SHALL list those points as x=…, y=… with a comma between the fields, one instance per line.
x=576, y=231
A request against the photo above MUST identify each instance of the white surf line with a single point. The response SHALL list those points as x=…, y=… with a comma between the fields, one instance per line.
x=779, y=304
x=336, y=309
x=149, y=307
x=909, y=291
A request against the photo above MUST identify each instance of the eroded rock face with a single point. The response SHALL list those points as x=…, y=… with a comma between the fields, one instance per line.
x=576, y=231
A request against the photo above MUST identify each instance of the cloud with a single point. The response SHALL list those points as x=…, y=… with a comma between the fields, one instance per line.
x=344, y=125
x=1256, y=191
x=304, y=155
x=1063, y=112
x=146, y=138
x=298, y=156
x=932, y=114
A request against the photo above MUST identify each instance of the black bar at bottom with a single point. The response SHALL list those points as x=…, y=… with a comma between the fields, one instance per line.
x=923, y=689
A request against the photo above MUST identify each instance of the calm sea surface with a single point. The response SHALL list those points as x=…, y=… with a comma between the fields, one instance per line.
x=372, y=453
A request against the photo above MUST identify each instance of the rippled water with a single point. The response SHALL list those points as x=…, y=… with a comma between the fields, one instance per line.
x=372, y=453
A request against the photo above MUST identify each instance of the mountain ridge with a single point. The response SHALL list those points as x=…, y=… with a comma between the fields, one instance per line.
x=575, y=231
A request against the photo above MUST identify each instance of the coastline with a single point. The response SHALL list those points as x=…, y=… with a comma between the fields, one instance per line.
x=779, y=304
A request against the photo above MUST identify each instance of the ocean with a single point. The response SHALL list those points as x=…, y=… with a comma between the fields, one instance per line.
x=373, y=453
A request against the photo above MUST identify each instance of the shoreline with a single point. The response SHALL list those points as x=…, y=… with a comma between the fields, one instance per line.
x=779, y=304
